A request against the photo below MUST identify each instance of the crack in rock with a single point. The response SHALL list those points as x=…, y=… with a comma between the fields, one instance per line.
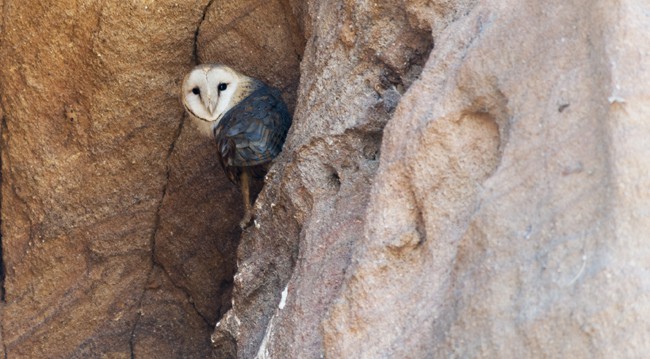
x=157, y=217
x=156, y=227
x=139, y=315
x=196, y=33
x=187, y=294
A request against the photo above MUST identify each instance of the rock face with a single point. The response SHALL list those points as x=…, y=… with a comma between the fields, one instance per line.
x=462, y=179
x=102, y=183
x=507, y=212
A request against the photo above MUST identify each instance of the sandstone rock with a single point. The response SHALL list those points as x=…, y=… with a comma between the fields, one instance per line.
x=312, y=209
x=490, y=219
x=89, y=93
x=261, y=39
x=495, y=227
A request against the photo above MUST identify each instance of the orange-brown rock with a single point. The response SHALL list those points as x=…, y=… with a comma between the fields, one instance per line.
x=110, y=242
x=506, y=216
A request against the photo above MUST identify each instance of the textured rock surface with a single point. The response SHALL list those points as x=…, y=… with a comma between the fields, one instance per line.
x=498, y=218
x=512, y=219
x=110, y=242
x=483, y=197
x=350, y=83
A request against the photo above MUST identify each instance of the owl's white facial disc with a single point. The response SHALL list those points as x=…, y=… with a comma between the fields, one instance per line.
x=208, y=91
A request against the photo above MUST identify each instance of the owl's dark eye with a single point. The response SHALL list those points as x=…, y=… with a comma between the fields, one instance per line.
x=222, y=87
x=196, y=91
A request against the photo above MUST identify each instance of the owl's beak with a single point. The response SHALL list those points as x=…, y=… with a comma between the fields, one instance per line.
x=212, y=102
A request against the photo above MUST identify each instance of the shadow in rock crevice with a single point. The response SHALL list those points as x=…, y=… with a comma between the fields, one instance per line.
x=262, y=40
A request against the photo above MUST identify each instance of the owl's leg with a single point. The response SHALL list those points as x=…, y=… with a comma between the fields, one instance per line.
x=245, y=191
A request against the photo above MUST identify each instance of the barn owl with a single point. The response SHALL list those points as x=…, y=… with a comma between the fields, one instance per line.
x=248, y=119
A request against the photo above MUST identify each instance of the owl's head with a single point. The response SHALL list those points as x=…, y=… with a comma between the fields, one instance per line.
x=209, y=91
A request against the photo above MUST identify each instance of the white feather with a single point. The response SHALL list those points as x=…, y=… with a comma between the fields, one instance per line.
x=202, y=98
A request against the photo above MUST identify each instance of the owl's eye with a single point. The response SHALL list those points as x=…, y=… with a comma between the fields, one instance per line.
x=222, y=87
x=196, y=91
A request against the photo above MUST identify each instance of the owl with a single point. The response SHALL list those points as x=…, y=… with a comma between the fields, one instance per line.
x=248, y=120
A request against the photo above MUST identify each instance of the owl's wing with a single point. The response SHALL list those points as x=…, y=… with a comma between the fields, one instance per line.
x=253, y=132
